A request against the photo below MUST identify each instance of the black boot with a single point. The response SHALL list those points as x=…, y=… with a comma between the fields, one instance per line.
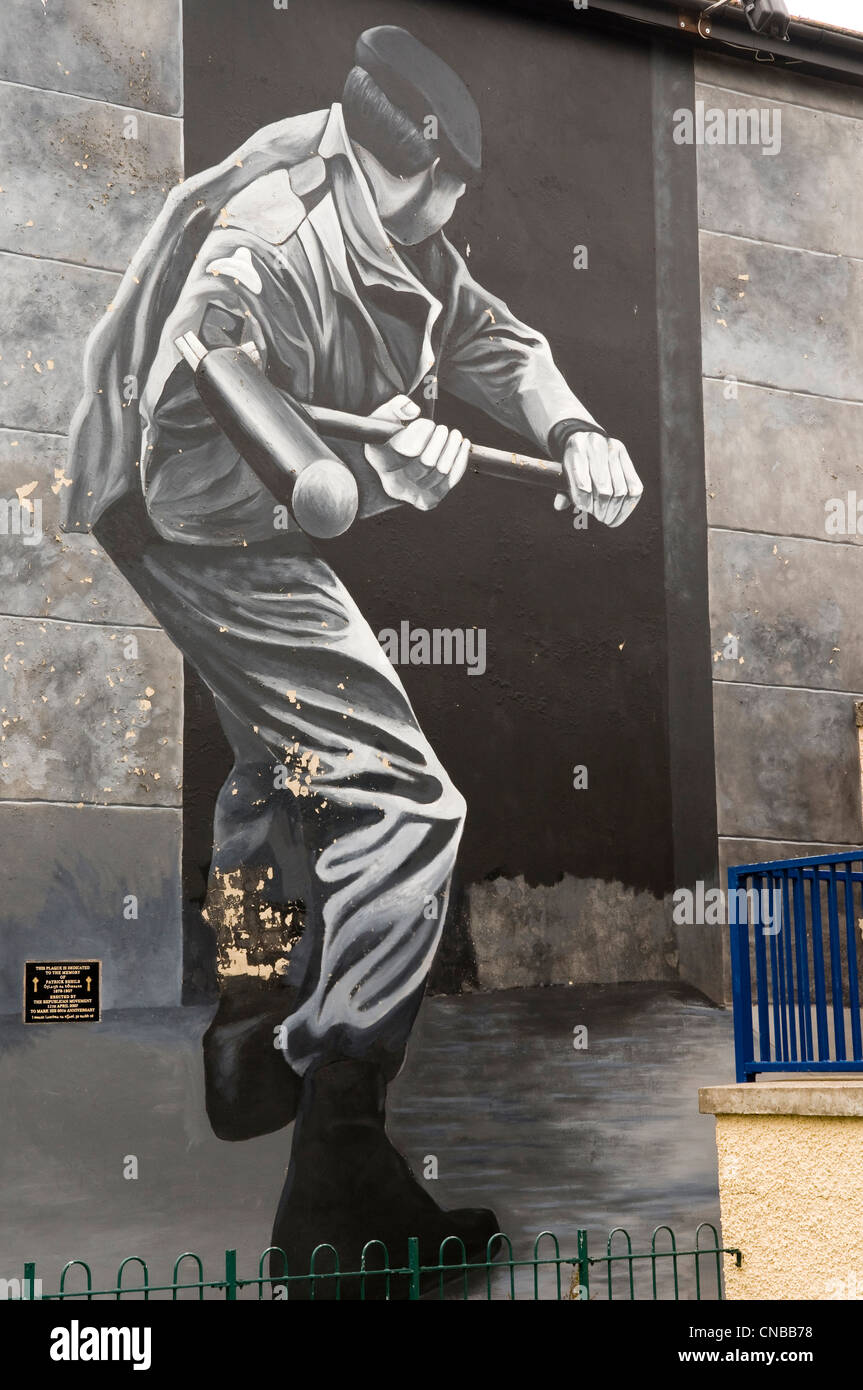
x=348, y=1185
x=249, y=1087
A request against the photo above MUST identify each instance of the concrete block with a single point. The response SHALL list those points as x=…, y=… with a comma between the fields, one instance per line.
x=778, y=317
x=705, y=952
x=809, y=194
x=799, y=453
x=69, y=874
x=61, y=576
x=778, y=84
x=89, y=713
x=82, y=180
x=733, y=852
x=48, y=310
x=786, y=612
x=114, y=50
x=787, y=764
x=803, y=1096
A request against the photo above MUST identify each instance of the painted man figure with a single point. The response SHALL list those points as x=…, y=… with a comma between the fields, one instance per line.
x=320, y=243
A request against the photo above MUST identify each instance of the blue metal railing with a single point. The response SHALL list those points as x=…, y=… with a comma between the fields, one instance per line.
x=794, y=926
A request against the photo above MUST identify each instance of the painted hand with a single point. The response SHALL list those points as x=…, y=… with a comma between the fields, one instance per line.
x=423, y=461
x=600, y=477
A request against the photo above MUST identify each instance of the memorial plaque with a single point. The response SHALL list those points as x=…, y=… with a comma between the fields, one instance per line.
x=62, y=991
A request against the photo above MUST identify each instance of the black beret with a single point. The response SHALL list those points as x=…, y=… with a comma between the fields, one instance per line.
x=421, y=84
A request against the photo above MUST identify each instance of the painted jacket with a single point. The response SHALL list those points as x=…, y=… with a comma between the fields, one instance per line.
x=299, y=263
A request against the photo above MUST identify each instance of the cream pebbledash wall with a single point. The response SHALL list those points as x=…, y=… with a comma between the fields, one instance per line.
x=791, y=1187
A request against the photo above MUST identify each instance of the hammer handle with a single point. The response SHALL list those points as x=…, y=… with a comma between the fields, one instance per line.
x=494, y=463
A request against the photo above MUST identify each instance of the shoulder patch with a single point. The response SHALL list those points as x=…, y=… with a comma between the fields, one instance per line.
x=308, y=176
x=269, y=207
x=239, y=267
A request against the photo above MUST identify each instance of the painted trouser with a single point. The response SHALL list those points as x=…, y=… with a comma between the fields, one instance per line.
x=334, y=787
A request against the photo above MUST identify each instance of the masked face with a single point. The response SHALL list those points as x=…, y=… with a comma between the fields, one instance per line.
x=428, y=210
x=414, y=207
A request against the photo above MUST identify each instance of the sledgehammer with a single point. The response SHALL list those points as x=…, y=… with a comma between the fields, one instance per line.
x=273, y=437
x=280, y=439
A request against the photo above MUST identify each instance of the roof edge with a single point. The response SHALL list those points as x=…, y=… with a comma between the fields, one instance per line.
x=813, y=49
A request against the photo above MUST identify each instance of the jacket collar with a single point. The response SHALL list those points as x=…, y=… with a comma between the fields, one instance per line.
x=358, y=231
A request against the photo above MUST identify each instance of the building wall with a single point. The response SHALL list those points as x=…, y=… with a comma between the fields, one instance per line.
x=93, y=763
x=791, y=1197
x=91, y=140
x=91, y=131
x=781, y=244
x=789, y=1167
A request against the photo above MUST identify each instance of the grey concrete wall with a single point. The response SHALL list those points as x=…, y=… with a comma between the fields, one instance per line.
x=90, y=143
x=576, y=931
x=91, y=690
x=782, y=293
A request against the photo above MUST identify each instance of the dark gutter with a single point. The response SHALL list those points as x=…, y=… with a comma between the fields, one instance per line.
x=811, y=48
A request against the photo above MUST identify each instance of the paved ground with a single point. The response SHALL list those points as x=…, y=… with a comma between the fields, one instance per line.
x=550, y=1136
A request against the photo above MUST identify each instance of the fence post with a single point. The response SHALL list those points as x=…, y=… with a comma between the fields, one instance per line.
x=29, y=1290
x=231, y=1275
x=414, y=1267
x=583, y=1263
x=741, y=982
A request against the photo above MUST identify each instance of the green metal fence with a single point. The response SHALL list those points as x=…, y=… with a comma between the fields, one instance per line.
x=662, y=1272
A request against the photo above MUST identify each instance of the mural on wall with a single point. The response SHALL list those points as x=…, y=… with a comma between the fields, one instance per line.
x=289, y=323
